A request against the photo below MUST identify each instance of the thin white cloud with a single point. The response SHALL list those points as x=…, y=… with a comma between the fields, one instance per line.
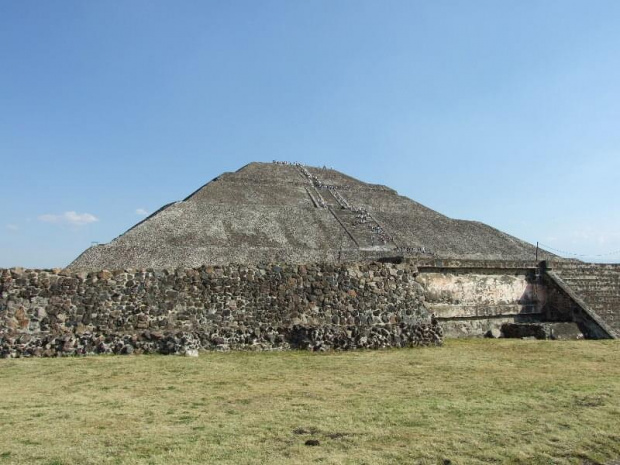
x=12, y=227
x=141, y=212
x=72, y=218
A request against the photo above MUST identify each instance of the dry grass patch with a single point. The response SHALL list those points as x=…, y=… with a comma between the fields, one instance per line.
x=479, y=401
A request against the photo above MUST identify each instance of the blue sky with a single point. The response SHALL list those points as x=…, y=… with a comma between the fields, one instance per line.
x=506, y=112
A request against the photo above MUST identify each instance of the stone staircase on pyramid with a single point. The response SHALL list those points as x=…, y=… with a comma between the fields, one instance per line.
x=359, y=224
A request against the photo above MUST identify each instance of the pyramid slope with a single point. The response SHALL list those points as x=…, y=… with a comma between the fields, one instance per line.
x=268, y=212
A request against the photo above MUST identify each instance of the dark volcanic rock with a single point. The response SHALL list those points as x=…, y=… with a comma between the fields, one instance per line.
x=211, y=308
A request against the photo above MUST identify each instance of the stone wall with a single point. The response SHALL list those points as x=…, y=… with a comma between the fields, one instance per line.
x=315, y=307
x=48, y=312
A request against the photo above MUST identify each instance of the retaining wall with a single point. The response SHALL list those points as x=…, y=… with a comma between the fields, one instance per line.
x=316, y=307
x=47, y=312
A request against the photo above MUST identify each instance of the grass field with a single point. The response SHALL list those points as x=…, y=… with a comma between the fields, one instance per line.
x=475, y=401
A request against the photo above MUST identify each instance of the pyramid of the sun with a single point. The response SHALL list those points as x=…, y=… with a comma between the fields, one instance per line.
x=281, y=212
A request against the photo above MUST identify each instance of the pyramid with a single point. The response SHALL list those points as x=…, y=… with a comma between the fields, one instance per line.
x=290, y=213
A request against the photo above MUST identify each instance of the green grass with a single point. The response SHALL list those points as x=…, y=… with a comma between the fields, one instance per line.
x=477, y=401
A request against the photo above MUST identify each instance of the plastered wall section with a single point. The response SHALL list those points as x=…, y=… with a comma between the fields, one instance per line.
x=470, y=302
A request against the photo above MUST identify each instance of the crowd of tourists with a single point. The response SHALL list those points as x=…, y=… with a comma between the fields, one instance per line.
x=378, y=236
x=295, y=163
x=423, y=250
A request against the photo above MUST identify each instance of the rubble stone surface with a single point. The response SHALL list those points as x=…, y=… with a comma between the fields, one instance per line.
x=289, y=213
x=312, y=307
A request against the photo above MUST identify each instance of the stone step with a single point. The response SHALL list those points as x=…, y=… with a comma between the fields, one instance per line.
x=598, y=286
